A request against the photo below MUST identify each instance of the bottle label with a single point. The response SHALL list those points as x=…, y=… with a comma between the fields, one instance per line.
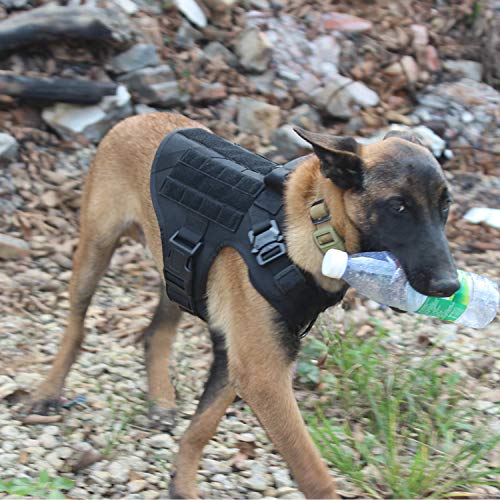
x=449, y=308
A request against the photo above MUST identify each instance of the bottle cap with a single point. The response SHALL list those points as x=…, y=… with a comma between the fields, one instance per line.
x=334, y=263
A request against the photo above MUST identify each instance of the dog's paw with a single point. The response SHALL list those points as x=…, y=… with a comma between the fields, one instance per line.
x=163, y=419
x=48, y=405
x=173, y=492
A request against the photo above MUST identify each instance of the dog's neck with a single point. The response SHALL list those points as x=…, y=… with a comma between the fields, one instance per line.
x=304, y=186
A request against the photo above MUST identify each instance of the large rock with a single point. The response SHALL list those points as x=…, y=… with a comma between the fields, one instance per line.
x=258, y=117
x=217, y=49
x=91, y=121
x=289, y=143
x=341, y=96
x=13, y=248
x=464, y=68
x=466, y=112
x=8, y=148
x=254, y=50
x=137, y=57
x=487, y=27
x=305, y=116
x=155, y=86
x=187, y=35
x=192, y=11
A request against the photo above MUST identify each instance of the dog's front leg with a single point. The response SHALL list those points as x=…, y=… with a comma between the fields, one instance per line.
x=262, y=377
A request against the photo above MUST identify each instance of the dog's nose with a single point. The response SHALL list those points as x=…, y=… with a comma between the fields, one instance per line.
x=444, y=287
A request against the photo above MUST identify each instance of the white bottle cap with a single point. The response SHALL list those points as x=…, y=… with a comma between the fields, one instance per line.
x=334, y=263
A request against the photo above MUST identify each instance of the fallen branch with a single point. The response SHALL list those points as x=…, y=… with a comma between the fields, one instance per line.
x=54, y=89
x=50, y=23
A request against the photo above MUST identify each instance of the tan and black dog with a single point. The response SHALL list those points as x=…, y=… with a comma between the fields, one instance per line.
x=391, y=195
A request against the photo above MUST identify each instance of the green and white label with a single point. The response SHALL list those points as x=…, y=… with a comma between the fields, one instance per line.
x=449, y=308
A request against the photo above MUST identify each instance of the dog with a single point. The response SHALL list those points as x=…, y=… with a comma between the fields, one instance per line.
x=390, y=195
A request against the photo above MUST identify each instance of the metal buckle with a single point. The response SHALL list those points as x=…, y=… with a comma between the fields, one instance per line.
x=267, y=243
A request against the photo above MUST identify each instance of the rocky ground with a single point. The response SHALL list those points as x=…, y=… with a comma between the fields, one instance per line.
x=248, y=70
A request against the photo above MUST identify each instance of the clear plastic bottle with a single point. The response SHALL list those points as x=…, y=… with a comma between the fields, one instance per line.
x=378, y=276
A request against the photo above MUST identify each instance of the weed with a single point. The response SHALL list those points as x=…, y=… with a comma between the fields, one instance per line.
x=398, y=426
x=121, y=428
x=44, y=486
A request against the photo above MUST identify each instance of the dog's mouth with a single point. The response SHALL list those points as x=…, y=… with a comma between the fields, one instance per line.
x=444, y=285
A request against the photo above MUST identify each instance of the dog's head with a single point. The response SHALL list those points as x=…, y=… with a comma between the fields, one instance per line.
x=396, y=196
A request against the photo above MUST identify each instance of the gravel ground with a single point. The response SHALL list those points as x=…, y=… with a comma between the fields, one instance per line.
x=40, y=189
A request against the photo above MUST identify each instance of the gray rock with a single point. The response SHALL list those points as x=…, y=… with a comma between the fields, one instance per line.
x=333, y=101
x=341, y=95
x=215, y=467
x=7, y=385
x=465, y=68
x=254, y=50
x=155, y=86
x=144, y=109
x=119, y=472
x=264, y=83
x=258, y=117
x=128, y=6
x=12, y=248
x=91, y=121
x=192, y=11
x=137, y=485
x=187, y=35
x=287, y=492
x=8, y=148
x=14, y=4
x=54, y=460
x=10, y=432
x=101, y=477
x=217, y=49
x=160, y=441
x=48, y=441
x=256, y=482
x=289, y=143
x=305, y=116
x=282, y=478
x=210, y=92
x=137, y=57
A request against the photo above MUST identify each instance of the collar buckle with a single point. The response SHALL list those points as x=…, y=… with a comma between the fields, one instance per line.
x=324, y=235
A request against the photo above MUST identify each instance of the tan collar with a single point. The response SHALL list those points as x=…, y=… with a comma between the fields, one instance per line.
x=324, y=235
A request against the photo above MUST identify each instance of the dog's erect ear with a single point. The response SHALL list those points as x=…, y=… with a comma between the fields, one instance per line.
x=406, y=135
x=338, y=157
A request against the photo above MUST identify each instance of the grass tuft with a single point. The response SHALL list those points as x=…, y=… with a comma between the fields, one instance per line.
x=397, y=426
x=44, y=486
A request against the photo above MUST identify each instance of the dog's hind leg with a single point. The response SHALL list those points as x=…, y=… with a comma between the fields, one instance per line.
x=158, y=340
x=102, y=224
x=217, y=396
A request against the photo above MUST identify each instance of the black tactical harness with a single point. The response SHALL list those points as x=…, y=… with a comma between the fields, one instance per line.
x=208, y=194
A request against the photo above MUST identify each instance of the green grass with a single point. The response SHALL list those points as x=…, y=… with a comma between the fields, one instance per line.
x=44, y=486
x=397, y=425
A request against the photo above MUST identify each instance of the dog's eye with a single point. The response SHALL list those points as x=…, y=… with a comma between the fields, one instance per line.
x=398, y=206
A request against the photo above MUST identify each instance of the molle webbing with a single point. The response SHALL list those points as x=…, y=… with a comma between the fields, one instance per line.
x=207, y=194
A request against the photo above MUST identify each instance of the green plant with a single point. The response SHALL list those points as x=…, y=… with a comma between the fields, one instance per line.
x=44, y=486
x=399, y=427
x=121, y=428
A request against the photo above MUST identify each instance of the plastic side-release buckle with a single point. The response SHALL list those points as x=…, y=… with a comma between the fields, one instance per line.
x=178, y=268
x=267, y=242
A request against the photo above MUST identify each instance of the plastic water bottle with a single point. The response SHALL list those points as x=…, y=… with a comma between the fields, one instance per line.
x=378, y=276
